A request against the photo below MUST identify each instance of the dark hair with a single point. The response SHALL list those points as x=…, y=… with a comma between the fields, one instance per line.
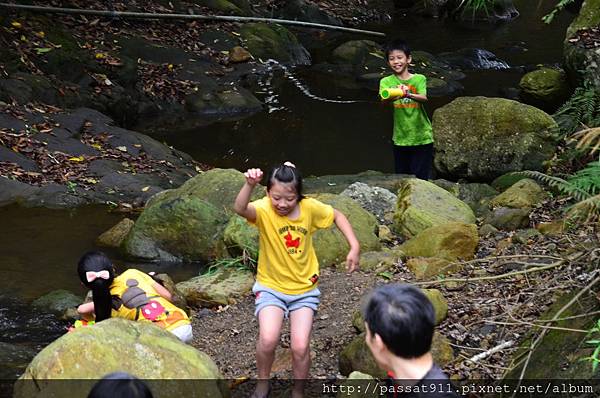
x=286, y=174
x=97, y=261
x=120, y=385
x=403, y=317
x=396, y=44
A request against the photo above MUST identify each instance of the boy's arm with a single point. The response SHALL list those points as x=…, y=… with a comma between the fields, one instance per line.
x=352, y=259
x=242, y=204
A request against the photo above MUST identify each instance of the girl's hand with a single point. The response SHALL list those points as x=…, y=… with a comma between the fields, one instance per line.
x=253, y=176
x=352, y=260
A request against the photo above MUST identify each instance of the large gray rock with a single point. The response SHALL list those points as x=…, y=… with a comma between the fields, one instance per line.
x=583, y=64
x=482, y=138
x=375, y=200
x=138, y=348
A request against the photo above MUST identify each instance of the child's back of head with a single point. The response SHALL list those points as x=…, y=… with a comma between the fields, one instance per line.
x=120, y=385
x=96, y=271
x=403, y=317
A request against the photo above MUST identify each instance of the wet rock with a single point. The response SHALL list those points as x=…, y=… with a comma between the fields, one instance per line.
x=481, y=138
x=301, y=10
x=57, y=302
x=422, y=204
x=266, y=41
x=14, y=359
x=222, y=287
x=231, y=101
x=115, y=236
x=361, y=55
x=425, y=268
x=378, y=201
x=450, y=241
x=508, y=219
x=138, y=348
x=546, y=88
x=473, y=58
x=523, y=194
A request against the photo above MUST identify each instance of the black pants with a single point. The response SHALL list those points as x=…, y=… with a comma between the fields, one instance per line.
x=414, y=160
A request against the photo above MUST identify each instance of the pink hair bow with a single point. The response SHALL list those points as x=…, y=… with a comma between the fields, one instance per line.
x=92, y=276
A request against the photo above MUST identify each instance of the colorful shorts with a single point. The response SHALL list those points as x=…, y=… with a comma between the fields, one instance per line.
x=287, y=302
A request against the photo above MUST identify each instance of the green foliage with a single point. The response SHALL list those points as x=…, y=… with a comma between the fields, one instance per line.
x=475, y=5
x=581, y=110
x=557, y=8
x=246, y=262
x=587, y=179
x=595, y=357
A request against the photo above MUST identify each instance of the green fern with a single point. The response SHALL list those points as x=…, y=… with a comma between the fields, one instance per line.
x=587, y=179
x=581, y=110
x=564, y=186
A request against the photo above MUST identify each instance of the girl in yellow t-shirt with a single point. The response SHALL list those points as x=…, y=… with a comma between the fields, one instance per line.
x=132, y=295
x=288, y=270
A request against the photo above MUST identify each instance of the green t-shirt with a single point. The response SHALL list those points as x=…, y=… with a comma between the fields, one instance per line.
x=411, y=123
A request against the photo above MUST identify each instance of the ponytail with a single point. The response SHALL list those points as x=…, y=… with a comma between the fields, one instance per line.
x=96, y=272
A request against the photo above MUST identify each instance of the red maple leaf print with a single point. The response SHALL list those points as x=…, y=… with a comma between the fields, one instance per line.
x=289, y=242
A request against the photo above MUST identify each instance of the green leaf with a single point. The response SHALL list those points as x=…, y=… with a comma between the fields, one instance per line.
x=386, y=275
x=43, y=50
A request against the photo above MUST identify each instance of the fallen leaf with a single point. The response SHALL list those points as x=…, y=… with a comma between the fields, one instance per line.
x=145, y=189
x=16, y=24
x=77, y=159
x=43, y=50
x=122, y=148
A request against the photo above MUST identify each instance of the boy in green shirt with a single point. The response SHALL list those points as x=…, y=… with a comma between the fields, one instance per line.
x=413, y=135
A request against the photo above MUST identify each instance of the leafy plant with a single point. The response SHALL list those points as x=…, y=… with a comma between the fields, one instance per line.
x=595, y=357
x=475, y=6
x=245, y=262
x=557, y=8
x=581, y=110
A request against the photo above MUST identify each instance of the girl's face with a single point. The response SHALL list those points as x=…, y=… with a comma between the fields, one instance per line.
x=284, y=197
x=398, y=61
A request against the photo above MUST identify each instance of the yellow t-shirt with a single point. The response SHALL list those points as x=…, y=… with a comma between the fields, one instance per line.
x=158, y=310
x=286, y=258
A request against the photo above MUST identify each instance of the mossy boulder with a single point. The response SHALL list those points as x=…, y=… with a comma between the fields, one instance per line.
x=422, y=204
x=552, y=228
x=362, y=55
x=544, y=87
x=356, y=356
x=508, y=219
x=523, y=194
x=268, y=41
x=230, y=101
x=331, y=245
x=138, y=348
x=581, y=63
x=481, y=138
x=440, y=305
x=475, y=195
x=558, y=356
x=358, y=385
x=240, y=237
x=425, y=268
x=222, y=6
x=221, y=287
x=115, y=236
x=506, y=181
x=378, y=261
x=187, y=223
x=449, y=241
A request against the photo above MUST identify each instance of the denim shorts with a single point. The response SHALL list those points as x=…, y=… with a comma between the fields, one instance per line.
x=265, y=297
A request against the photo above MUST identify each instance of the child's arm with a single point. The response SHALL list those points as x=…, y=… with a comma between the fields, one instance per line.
x=86, y=310
x=344, y=226
x=241, y=205
x=161, y=290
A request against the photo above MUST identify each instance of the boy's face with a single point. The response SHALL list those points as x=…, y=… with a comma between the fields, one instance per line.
x=398, y=61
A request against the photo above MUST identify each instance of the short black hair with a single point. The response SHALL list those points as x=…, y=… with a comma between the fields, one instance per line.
x=286, y=174
x=396, y=44
x=120, y=385
x=403, y=317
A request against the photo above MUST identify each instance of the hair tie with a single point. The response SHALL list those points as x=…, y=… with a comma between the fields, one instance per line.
x=289, y=164
x=91, y=276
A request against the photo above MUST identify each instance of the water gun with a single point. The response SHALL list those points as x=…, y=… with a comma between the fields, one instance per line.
x=79, y=324
x=392, y=92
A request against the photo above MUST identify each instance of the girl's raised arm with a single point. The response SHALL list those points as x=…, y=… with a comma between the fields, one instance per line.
x=344, y=226
x=241, y=205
